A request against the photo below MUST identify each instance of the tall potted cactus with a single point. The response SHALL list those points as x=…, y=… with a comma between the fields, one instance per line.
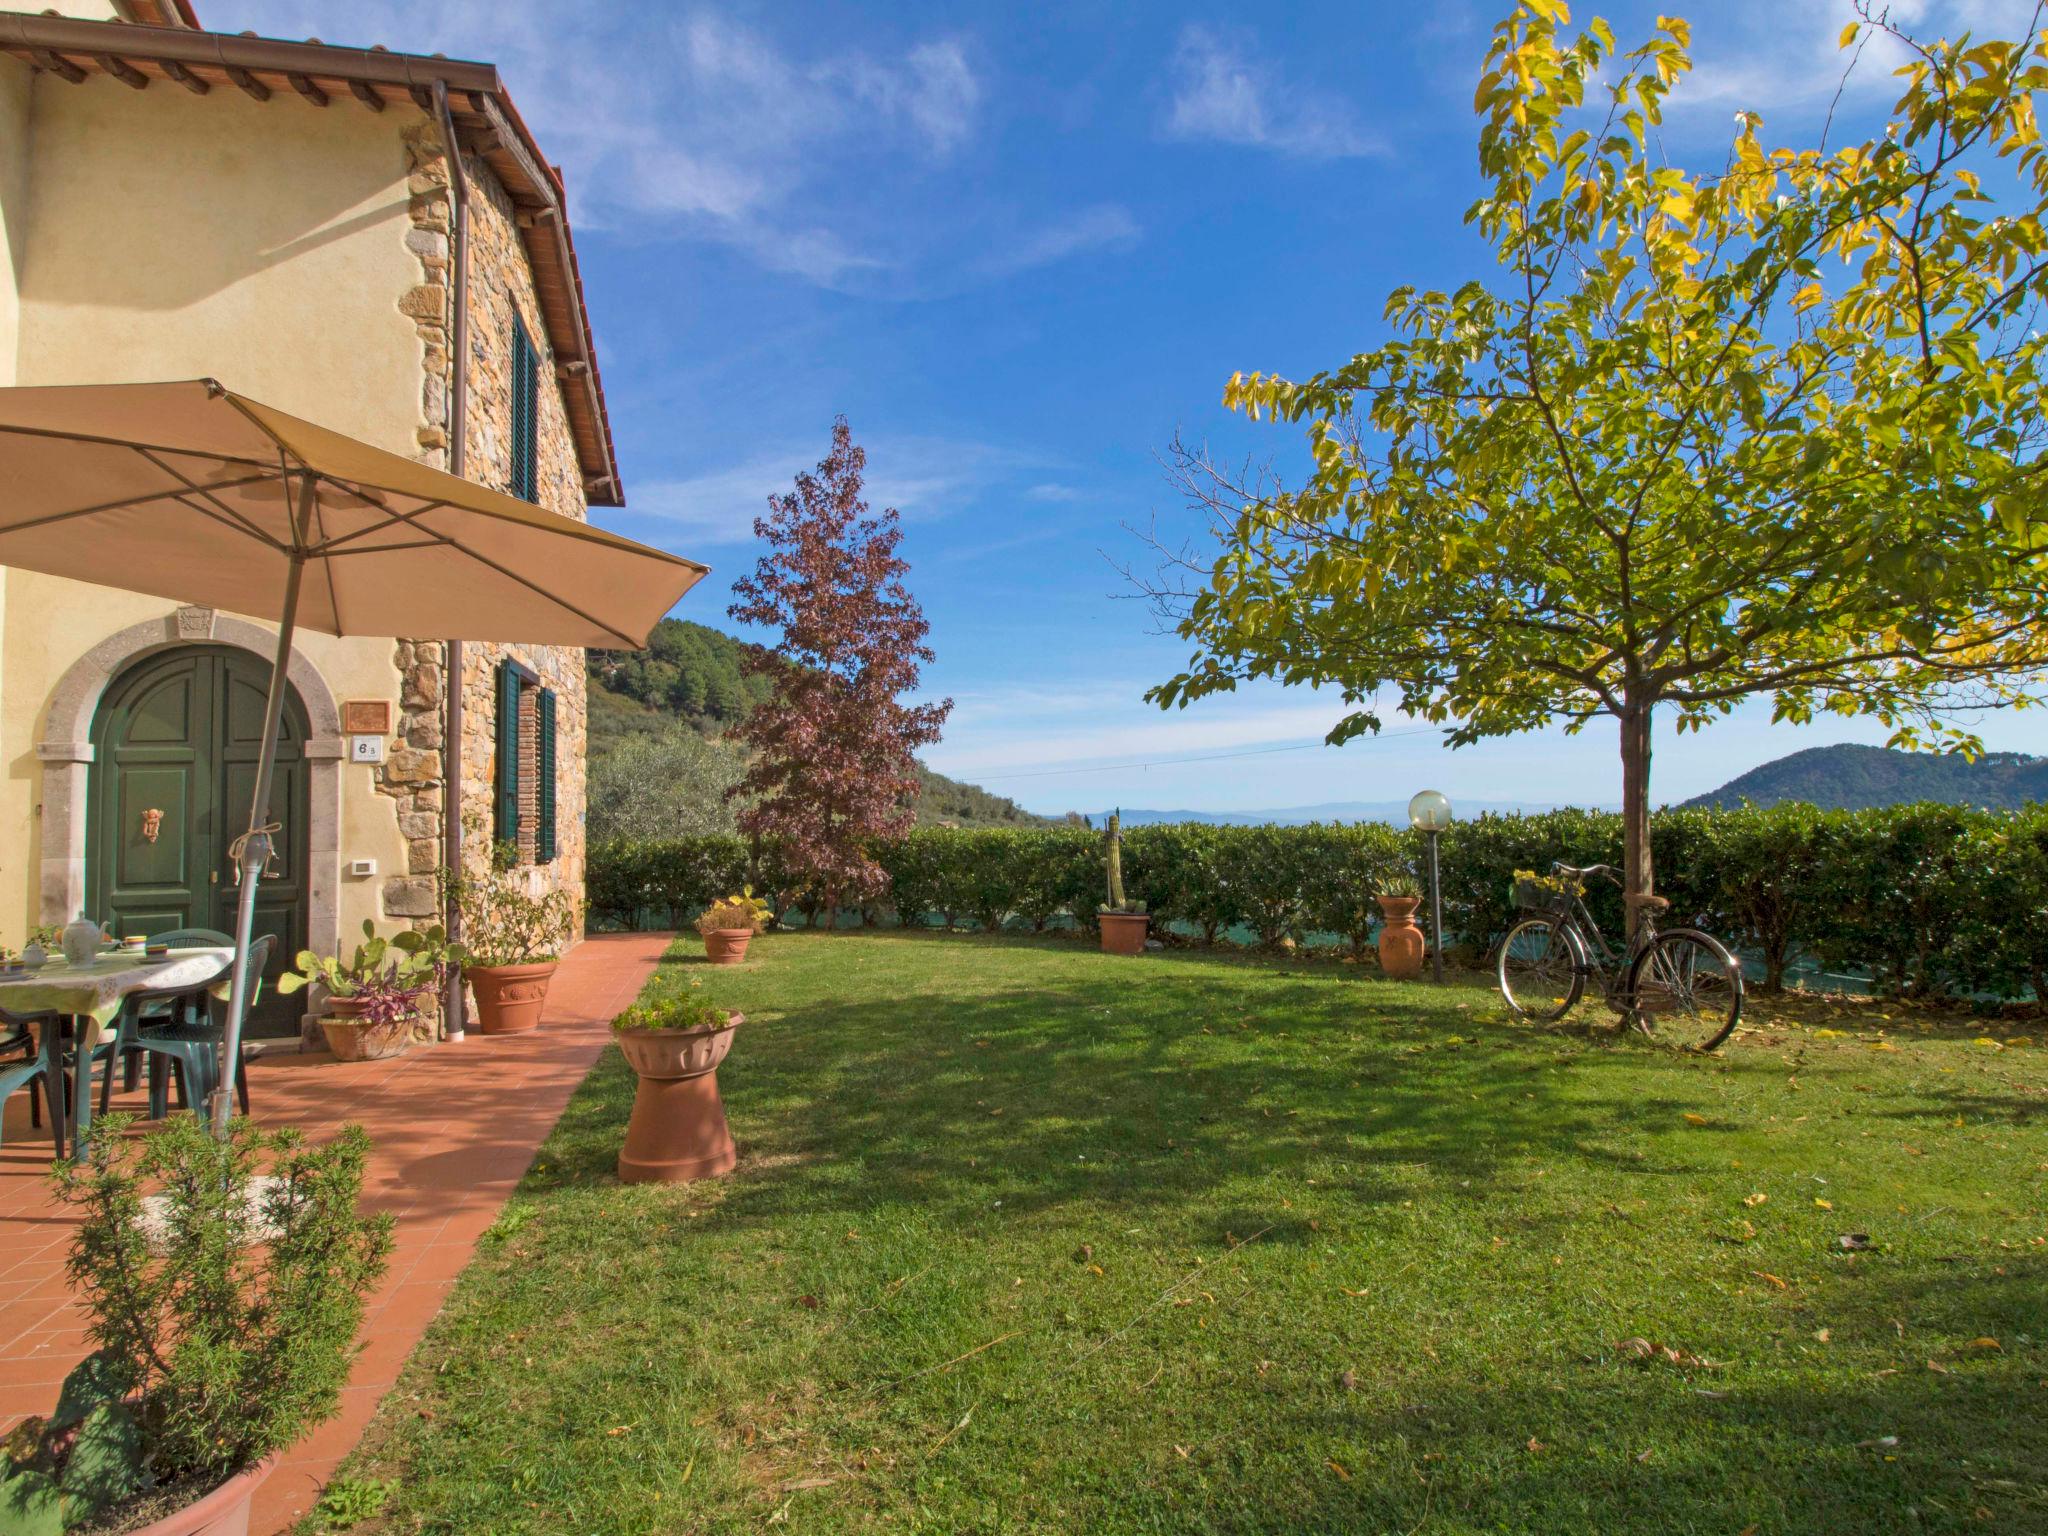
x=1123, y=923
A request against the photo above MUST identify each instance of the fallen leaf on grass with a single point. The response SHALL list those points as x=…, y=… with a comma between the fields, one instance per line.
x=1756, y=1199
x=618, y=1430
x=1181, y=1451
x=1693, y=1119
x=1987, y=1342
x=1938, y=1368
x=1350, y=1292
x=1536, y=1445
x=1822, y=1336
x=1881, y=1443
x=1339, y=1470
x=1854, y=1242
x=797, y=1485
x=1826, y=1205
x=810, y=1302
x=1348, y=1379
x=1764, y=1274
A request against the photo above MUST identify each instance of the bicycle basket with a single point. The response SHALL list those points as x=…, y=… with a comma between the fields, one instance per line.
x=1533, y=895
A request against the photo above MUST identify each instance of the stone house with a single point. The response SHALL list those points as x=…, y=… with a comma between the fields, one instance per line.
x=284, y=217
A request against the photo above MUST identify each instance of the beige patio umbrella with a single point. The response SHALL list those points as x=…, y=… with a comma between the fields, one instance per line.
x=191, y=492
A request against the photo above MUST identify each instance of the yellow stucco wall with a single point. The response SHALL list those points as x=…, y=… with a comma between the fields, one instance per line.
x=16, y=140
x=168, y=236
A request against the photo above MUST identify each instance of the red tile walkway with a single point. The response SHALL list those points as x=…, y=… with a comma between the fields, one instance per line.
x=454, y=1127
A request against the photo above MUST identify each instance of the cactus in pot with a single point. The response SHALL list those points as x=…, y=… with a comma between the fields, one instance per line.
x=1122, y=922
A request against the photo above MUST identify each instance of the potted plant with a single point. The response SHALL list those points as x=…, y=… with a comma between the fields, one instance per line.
x=373, y=997
x=1122, y=922
x=678, y=1130
x=730, y=925
x=225, y=1312
x=1401, y=942
x=512, y=940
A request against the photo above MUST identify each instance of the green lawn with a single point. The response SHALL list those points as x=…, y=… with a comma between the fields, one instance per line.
x=1027, y=1238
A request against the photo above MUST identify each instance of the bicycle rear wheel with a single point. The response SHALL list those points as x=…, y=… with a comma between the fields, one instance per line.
x=1687, y=989
x=1539, y=969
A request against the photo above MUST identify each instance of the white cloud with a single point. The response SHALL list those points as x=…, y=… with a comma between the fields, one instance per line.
x=1223, y=91
x=921, y=477
x=1105, y=226
x=1053, y=491
x=1785, y=57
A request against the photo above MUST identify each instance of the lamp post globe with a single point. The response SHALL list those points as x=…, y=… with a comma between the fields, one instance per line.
x=1429, y=811
x=1430, y=814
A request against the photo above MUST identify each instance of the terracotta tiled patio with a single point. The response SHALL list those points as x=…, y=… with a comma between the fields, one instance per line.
x=454, y=1129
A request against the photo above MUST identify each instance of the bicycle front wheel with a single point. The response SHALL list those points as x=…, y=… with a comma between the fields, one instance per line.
x=1687, y=989
x=1539, y=970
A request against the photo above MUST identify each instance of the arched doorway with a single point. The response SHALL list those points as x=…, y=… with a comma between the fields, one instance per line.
x=175, y=741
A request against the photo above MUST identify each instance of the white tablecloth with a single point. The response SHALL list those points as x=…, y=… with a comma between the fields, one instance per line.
x=98, y=990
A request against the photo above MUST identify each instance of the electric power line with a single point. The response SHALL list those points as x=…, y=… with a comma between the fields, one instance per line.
x=1177, y=762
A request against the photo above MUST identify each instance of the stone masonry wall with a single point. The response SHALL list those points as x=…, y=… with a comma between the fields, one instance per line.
x=500, y=285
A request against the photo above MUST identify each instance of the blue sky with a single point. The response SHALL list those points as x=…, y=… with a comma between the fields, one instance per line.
x=1020, y=247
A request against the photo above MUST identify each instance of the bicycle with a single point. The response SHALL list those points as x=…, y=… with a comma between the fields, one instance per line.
x=1680, y=983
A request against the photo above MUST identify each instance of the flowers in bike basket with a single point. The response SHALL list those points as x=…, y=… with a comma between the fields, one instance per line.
x=1532, y=892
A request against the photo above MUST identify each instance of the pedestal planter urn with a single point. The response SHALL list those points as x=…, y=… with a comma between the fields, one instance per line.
x=509, y=998
x=677, y=1131
x=352, y=1036
x=1402, y=946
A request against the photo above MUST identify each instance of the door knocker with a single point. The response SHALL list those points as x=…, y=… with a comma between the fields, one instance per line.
x=152, y=824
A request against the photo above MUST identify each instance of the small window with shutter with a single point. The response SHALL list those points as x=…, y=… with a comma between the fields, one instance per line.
x=525, y=816
x=525, y=414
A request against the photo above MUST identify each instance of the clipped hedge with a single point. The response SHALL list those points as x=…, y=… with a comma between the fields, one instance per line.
x=1927, y=900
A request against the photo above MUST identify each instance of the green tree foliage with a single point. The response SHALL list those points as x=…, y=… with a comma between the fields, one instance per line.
x=1769, y=430
x=655, y=785
x=688, y=671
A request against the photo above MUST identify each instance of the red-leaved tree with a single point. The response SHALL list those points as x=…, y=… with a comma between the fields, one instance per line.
x=834, y=767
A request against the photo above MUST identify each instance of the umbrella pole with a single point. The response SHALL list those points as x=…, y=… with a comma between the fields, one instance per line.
x=253, y=847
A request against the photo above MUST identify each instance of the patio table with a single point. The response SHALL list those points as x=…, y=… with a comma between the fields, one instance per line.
x=94, y=995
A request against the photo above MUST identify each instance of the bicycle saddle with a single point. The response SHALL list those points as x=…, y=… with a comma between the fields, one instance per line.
x=1654, y=903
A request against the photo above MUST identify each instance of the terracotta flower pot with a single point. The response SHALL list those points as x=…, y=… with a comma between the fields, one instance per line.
x=678, y=1130
x=223, y=1512
x=354, y=1038
x=727, y=946
x=1402, y=946
x=509, y=997
x=1123, y=933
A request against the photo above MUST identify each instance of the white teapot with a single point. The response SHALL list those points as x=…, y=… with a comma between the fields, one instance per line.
x=81, y=941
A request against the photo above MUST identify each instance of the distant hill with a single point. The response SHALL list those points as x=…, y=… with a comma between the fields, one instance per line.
x=1392, y=812
x=696, y=674
x=1855, y=778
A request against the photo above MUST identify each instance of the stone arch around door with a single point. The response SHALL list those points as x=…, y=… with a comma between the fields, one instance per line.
x=66, y=753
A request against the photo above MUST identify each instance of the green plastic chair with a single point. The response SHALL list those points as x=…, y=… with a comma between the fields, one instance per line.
x=123, y=1045
x=34, y=1073
x=193, y=1046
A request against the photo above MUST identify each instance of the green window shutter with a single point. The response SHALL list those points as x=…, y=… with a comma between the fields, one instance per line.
x=506, y=828
x=544, y=834
x=525, y=413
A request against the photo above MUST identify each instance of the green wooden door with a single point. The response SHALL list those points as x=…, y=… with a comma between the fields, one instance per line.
x=178, y=734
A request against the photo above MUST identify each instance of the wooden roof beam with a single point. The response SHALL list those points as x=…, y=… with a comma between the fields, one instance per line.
x=248, y=82
x=178, y=72
x=304, y=85
x=366, y=93
x=58, y=65
x=123, y=71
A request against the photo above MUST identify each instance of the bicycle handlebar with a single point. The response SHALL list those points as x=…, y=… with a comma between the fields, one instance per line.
x=1607, y=870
